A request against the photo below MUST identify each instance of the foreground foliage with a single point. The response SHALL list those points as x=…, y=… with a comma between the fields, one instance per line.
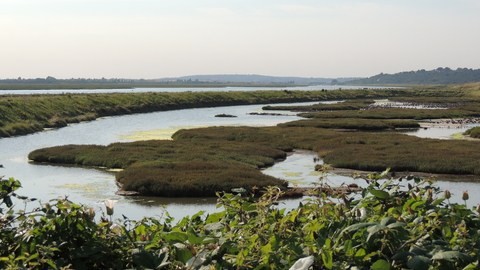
x=393, y=224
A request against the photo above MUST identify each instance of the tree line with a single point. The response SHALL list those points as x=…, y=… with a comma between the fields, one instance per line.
x=436, y=76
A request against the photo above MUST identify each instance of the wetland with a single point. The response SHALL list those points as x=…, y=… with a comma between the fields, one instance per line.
x=287, y=140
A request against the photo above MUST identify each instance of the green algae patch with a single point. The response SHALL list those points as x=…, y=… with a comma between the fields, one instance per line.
x=94, y=190
x=156, y=134
x=457, y=136
x=292, y=174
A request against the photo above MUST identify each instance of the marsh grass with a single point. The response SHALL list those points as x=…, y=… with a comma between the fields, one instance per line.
x=473, y=132
x=352, y=123
x=174, y=168
x=467, y=110
x=35, y=112
x=202, y=161
x=355, y=104
x=371, y=151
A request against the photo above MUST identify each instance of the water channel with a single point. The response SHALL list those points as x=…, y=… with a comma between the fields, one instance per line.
x=90, y=186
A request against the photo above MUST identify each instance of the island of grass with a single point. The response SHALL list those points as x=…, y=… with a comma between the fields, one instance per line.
x=203, y=161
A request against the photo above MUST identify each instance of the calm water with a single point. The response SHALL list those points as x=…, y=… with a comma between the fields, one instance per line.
x=89, y=186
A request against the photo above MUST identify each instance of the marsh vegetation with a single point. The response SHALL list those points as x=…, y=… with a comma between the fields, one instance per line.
x=206, y=160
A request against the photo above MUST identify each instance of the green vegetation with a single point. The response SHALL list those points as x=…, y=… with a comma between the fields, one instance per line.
x=205, y=160
x=89, y=83
x=473, y=132
x=20, y=115
x=352, y=123
x=355, y=104
x=175, y=168
x=436, y=76
x=392, y=225
x=463, y=111
x=357, y=150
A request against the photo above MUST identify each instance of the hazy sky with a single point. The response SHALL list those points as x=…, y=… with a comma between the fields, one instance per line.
x=166, y=38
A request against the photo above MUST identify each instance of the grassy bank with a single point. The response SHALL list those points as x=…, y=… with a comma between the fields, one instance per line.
x=355, y=104
x=126, y=85
x=24, y=114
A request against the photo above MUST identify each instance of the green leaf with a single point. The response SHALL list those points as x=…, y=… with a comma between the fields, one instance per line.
x=472, y=266
x=51, y=263
x=451, y=256
x=198, y=214
x=143, y=258
x=439, y=242
x=380, y=194
x=361, y=253
x=387, y=220
x=374, y=229
x=418, y=251
x=419, y=263
x=162, y=259
x=183, y=255
x=348, y=247
x=327, y=258
x=266, y=249
x=328, y=243
x=358, y=226
x=215, y=217
x=396, y=225
x=380, y=265
x=213, y=227
x=176, y=237
x=193, y=238
x=403, y=255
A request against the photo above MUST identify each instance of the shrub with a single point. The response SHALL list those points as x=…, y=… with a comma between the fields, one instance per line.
x=391, y=225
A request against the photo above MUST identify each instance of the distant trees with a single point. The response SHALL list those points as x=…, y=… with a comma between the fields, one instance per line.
x=437, y=76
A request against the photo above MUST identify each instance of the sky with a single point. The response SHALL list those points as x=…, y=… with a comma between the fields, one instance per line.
x=164, y=38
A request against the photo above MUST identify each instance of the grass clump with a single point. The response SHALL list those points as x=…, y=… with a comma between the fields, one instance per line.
x=473, y=132
x=174, y=168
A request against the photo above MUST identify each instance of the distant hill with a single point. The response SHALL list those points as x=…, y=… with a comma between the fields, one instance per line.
x=436, y=76
x=255, y=79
